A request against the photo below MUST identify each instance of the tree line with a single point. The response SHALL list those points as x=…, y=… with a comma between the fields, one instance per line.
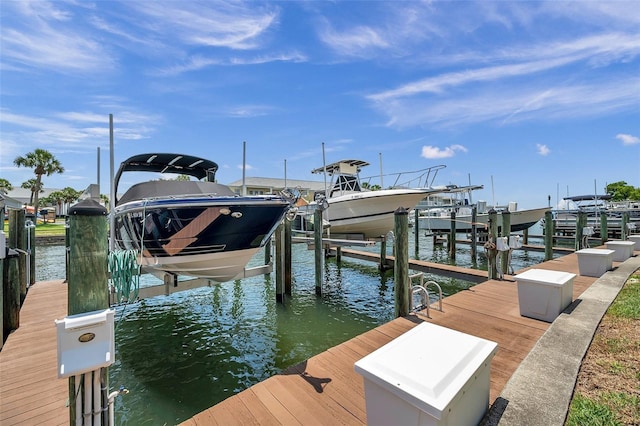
x=43, y=163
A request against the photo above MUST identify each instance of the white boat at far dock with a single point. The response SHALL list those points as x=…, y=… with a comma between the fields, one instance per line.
x=435, y=211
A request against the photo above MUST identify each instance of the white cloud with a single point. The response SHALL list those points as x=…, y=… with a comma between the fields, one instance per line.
x=628, y=139
x=433, y=152
x=543, y=149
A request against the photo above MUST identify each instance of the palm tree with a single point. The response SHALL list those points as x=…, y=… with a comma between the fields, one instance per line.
x=5, y=186
x=70, y=195
x=57, y=197
x=32, y=184
x=43, y=163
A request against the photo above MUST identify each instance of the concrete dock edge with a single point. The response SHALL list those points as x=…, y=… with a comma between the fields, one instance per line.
x=540, y=390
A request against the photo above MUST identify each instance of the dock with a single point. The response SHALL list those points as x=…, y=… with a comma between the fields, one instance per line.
x=324, y=389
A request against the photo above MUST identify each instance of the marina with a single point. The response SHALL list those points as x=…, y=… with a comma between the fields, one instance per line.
x=489, y=309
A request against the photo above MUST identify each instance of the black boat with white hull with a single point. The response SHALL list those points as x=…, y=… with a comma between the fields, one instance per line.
x=196, y=228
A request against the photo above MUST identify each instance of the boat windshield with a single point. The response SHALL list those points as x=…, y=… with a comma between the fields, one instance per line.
x=346, y=184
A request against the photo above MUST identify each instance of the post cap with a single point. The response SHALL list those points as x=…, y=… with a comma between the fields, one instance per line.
x=401, y=211
x=87, y=207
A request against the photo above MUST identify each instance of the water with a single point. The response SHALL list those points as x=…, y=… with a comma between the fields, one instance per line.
x=181, y=354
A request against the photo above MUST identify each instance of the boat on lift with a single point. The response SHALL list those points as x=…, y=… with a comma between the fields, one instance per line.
x=189, y=227
x=435, y=211
x=356, y=209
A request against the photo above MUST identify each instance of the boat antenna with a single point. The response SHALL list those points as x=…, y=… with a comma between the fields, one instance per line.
x=324, y=168
x=381, y=175
x=112, y=192
x=244, y=162
x=285, y=172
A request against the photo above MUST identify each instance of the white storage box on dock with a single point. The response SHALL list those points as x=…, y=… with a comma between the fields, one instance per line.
x=636, y=240
x=544, y=294
x=593, y=262
x=430, y=375
x=86, y=342
x=623, y=249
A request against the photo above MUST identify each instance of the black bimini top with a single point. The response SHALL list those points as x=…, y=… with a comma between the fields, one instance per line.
x=168, y=163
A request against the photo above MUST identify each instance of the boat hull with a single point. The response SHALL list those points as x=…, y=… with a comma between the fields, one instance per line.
x=208, y=237
x=520, y=220
x=368, y=214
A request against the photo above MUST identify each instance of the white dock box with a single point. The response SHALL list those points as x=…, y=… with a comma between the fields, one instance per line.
x=593, y=262
x=623, y=249
x=544, y=294
x=86, y=342
x=636, y=240
x=431, y=375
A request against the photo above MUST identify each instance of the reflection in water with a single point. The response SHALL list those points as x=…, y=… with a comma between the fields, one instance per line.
x=181, y=354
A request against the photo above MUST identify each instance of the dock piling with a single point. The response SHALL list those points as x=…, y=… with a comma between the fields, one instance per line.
x=18, y=241
x=318, y=248
x=505, y=232
x=88, y=286
x=492, y=269
x=401, y=264
x=451, y=242
x=604, y=232
x=548, y=235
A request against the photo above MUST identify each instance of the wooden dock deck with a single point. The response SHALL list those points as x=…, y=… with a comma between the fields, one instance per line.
x=322, y=390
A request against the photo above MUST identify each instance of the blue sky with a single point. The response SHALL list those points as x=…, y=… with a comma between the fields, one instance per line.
x=542, y=98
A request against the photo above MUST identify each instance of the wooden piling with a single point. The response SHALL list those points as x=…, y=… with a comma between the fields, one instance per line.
x=525, y=236
x=581, y=222
x=383, y=253
x=604, y=232
x=18, y=241
x=317, y=238
x=88, y=286
x=623, y=226
x=505, y=232
x=287, y=257
x=11, y=293
x=279, y=241
x=88, y=254
x=492, y=269
x=548, y=235
x=452, y=237
x=401, y=264
x=267, y=251
x=474, y=234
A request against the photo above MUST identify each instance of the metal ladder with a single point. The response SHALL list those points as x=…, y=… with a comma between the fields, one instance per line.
x=421, y=289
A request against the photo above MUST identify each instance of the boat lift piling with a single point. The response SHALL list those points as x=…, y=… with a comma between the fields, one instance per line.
x=505, y=232
x=402, y=281
x=474, y=234
x=491, y=245
x=18, y=242
x=88, y=290
x=451, y=243
x=604, y=232
x=318, y=249
x=549, y=225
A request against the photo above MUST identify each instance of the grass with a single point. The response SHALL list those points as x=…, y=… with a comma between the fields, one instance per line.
x=44, y=229
x=608, y=386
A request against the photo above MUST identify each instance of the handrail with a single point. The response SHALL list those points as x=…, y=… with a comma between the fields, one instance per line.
x=422, y=288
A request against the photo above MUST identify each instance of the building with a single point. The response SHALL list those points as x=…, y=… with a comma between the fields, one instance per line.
x=263, y=186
